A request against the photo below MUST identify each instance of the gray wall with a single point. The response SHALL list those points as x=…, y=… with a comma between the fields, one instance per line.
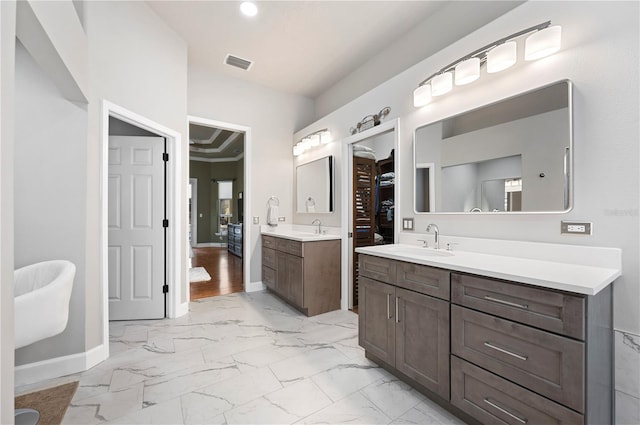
x=204, y=172
x=50, y=157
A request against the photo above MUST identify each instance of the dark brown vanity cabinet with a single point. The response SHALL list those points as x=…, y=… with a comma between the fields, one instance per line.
x=305, y=274
x=405, y=329
x=523, y=354
x=498, y=351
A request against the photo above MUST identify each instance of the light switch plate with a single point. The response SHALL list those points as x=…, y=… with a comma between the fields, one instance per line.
x=407, y=223
x=256, y=220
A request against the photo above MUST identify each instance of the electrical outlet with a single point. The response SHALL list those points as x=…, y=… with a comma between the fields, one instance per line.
x=407, y=224
x=281, y=219
x=576, y=227
x=256, y=220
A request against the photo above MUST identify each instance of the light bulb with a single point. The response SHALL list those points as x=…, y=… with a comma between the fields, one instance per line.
x=422, y=95
x=248, y=8
x=543, y=43
x=314, y=140
x=467, y=71
x=501, y=57
x=325, y=137
x=305, y=143
x=441, y=84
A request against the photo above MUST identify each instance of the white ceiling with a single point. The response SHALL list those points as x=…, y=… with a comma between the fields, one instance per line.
x=307, y=47
x=316, y=48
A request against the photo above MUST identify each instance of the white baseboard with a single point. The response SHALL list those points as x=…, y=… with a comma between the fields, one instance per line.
x=255, y=286
x=60, y=366
x=211, y=245
x=182, y=309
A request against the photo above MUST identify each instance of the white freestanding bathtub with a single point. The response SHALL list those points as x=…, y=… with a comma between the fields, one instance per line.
x=42, y=292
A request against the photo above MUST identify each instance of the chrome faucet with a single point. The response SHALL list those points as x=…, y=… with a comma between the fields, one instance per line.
x=436, y=232
x=319, y=224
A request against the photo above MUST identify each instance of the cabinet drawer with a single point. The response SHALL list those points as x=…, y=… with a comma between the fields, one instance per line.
x=377, y=268
x=289, y=246
x=269, y=277
x=548, y=364
x=491, y=399
x=546, y=309
x=423, y=279
x=269, y=241
x=269, y=257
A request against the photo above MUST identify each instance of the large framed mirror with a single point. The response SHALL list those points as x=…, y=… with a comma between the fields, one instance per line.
x=512, y=156
x=314, y=182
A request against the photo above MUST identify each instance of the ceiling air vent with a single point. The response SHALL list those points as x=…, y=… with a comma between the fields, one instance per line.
x=238, y=62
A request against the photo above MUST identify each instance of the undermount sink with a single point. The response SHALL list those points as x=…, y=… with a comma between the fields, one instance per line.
x=416, y=251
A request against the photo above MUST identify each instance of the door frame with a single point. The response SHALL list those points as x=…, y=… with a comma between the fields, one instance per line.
x=174, y=172
x=346, y=301
x=194, y=211
x=246, y=238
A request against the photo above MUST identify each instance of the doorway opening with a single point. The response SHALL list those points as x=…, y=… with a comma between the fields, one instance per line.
x=217, y=182
x=177, y=295
x=370, y=201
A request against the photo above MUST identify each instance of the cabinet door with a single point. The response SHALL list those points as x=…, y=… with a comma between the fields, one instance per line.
x=295, y=270
x=289, y=277
x=422, y=340
x=376, y=315
x=282, y=276
x=269, y=278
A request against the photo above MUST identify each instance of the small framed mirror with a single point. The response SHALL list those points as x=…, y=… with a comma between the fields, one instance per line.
x=511, y=156
x=314, y=181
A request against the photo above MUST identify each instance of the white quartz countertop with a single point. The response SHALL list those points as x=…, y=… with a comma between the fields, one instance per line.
x=301, y=236
x=577, y=278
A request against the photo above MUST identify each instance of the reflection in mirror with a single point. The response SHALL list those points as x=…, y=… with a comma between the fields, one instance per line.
x=314, y=182
x=510, y=156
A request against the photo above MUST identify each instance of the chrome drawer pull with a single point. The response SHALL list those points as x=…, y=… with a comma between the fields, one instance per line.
x=496, y=300
x=502, y=350
x=388, y=308
x=506, y=412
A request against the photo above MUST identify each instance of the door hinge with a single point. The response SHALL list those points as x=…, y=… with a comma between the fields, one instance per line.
x=350, y=235
x=165, y=157
x=165, y=223
x=165, y=289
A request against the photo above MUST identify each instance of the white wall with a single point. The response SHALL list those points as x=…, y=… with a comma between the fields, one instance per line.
x=272, y=116
x=50, y=152
x=140, y=64
x=600, y=39
x=7, y=344
x=53, y=35
x=409, y=49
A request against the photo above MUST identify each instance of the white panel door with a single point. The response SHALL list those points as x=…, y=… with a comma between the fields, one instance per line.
x=136, y=235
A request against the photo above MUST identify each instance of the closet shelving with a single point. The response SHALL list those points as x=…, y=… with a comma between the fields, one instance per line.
x=385, y=202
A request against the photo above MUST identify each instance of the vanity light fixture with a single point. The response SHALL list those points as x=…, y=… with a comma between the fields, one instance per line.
x=317, y=138
x=497, y=56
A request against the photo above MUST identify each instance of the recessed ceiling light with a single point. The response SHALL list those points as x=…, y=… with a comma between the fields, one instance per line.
x=249, y=8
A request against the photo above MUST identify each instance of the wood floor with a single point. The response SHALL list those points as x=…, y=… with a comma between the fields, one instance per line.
x=224, y=268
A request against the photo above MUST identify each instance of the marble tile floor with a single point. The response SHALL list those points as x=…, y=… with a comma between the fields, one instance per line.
x=243, y=358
